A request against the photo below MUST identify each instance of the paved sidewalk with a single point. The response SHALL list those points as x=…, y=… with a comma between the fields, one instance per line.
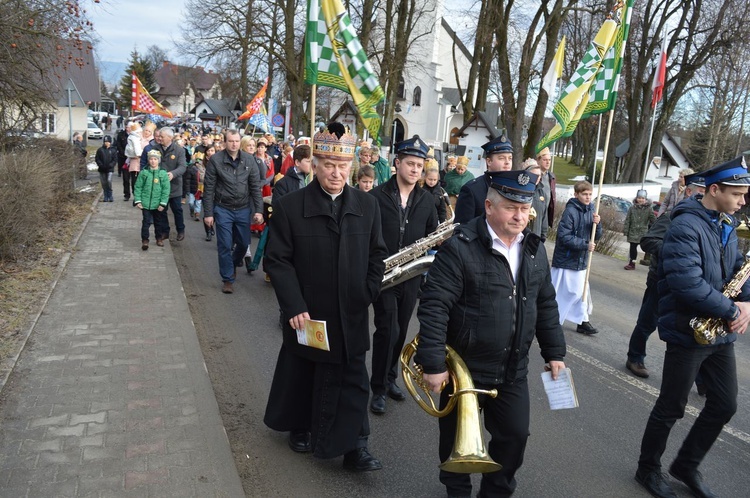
x=111, y=396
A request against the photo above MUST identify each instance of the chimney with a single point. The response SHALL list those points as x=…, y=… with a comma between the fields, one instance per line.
x=199, y=68
x=165, y=63
x=210, y=71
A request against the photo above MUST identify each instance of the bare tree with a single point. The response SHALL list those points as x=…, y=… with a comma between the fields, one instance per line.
x=41, y=40
x=696, y=32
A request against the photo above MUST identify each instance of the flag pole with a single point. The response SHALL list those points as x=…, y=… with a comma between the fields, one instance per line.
x=660, y=69
x=648, y=149
x=554, y=144
x=596, y=152
x=598, y=201
x=312, y=110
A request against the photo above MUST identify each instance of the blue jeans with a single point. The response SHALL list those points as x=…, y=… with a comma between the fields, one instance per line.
x=647, y=321
x=232, y=229
x=718, y=368
x=106, y=180
x=195, y=204
x=175, y=204
x=159, y=220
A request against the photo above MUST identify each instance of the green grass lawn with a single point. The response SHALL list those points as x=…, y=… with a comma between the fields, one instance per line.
x=565, y=170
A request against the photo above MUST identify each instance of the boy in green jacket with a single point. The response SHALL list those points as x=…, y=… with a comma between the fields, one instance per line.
x=152, y=191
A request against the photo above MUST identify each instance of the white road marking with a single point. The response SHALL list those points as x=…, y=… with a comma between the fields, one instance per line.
x=635, y=382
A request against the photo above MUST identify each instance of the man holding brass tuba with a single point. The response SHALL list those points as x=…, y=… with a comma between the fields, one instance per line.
x=698, y=257
x=488, y=295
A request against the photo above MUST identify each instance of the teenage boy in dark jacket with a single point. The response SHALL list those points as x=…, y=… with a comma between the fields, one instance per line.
x=699, y=257
x=106, y=162
x=408, y=213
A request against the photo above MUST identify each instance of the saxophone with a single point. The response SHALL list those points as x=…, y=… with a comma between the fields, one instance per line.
x=412, y=260
x=706, y=330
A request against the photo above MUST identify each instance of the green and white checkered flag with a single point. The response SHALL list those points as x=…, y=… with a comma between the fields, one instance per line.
x=334, y=57
x=603, y=93
x=569, y=109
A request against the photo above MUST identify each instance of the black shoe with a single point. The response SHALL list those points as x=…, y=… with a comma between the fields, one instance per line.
x=360, y=460
x=208, y=236
x=377, y=404
x=638, y=369
x=693, y=480
x=701, y=389
x=249, y=264
x=586, y=328
x=395, y=392
x=299, y=441
x=655, y=483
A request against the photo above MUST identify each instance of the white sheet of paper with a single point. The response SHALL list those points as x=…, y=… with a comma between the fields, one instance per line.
x=561, y=393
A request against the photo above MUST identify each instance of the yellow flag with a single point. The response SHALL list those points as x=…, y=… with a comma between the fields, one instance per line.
x=555, y=70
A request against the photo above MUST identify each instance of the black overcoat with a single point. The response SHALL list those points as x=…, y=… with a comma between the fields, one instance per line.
x=331, y=270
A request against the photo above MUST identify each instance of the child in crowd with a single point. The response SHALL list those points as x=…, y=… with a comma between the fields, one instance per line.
x=366, y=178
x=640, y=216
x=571, y=256
x=106, y=162
x=193, y=185
x=210, y=151
x=432, y=185
x=151, y=195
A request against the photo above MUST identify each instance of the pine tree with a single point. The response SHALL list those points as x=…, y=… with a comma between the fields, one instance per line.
x=145, y=72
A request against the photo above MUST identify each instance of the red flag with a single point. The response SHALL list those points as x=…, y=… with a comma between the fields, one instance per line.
x=660, y=77
x=255, y=104
x=142, y=101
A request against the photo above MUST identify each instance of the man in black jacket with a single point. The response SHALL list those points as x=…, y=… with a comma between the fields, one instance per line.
x=231, y=195
x=174, y=162
x=325, y=257
x=408, y=213
x=488, y=295
x=498, y=154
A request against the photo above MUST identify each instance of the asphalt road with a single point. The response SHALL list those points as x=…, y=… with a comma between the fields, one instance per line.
x=590, y=451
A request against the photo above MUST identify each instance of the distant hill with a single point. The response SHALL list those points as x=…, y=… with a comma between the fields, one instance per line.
x=112, y=72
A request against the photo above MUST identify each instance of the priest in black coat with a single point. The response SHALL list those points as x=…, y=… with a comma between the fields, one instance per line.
x=325, y=258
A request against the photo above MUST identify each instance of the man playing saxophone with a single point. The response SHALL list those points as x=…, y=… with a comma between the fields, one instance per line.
x=487, y=295
x=408, y=214
x=698, y=257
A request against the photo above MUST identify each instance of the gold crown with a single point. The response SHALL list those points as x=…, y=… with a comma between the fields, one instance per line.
x=328, y=145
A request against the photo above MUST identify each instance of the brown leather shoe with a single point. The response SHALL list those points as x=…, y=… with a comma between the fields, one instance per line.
x=160, y=242
x=144, y=244
x=638, y=369
x=227, y=288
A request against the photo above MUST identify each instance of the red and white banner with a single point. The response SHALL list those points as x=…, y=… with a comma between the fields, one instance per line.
x=661, y=76
x=142, y=101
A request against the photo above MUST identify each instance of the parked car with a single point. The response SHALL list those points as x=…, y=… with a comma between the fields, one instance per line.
x=93, y=131
x=656, y=206
x=614, y=208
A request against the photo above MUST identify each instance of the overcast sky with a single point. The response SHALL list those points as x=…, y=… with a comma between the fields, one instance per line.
x=124, y=24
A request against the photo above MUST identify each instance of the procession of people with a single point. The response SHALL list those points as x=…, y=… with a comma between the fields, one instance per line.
x=491, y=292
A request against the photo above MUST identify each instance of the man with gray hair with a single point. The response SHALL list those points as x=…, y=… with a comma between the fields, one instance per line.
x=173, y=161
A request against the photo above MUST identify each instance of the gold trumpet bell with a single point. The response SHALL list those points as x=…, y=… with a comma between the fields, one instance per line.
x=469, y=455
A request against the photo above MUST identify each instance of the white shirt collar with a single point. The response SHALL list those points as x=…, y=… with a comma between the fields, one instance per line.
x=512, y=254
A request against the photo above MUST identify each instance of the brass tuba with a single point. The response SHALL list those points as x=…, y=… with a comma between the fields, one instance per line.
x=469, y=453
x=706, y=330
